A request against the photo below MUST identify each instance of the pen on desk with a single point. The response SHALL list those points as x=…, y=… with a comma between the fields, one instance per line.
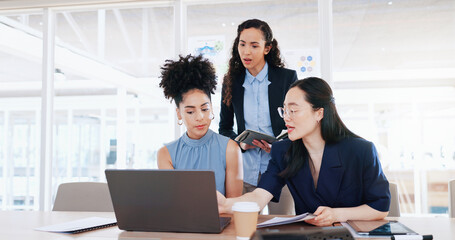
x=411, y=237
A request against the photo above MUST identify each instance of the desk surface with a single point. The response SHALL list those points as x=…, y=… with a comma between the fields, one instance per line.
x=20, y=225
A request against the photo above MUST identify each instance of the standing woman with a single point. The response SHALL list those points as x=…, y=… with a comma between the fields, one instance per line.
x=190, y=81
x=253, y=88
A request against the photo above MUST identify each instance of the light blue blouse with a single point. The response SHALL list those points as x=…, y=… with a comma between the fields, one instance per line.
x=257, y=118
x=206, y=153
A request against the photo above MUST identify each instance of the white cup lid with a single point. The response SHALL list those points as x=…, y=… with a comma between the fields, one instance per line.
x=245, y=207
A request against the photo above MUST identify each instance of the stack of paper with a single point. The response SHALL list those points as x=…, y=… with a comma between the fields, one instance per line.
x=80, y=225
x=286, y=220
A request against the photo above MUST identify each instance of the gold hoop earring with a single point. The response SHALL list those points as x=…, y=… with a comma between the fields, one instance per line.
x=180, y=123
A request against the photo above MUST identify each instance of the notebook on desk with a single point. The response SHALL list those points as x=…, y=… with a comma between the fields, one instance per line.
x=165, y=200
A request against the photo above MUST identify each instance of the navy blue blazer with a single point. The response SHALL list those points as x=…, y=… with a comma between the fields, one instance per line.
x=280, y=81
x=350, y=176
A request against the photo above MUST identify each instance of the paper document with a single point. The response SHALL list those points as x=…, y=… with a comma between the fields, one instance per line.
x=286, y=220
x=80, y=225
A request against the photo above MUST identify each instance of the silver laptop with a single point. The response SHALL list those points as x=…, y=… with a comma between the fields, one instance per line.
x=165, y=200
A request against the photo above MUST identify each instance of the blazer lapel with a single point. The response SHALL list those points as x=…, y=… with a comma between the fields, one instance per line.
x=275, y=99
x=237, y=100
x=306, y=190
x=330, y=175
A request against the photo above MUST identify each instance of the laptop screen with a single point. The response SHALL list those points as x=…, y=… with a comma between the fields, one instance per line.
x=164, y=200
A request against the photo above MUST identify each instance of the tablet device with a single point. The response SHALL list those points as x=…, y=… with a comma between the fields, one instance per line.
x=392, y=228
x=248, y=136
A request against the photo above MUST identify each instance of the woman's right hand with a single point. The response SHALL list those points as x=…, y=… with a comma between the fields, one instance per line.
x=245, y=146
x=221, y=202
x=267, y=147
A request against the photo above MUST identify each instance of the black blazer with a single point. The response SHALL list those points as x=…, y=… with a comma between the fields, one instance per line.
x=280, y=78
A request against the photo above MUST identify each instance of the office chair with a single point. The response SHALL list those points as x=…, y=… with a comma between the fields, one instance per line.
x=394, y=210
x=452, y=198
x=285, y=206
x=83, y=196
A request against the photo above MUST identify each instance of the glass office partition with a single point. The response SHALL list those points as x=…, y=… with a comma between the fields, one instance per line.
x=134, y=41
x=3, y=140
x=77, y=145
x=106, y=100
x=20, y=117
x=109, y=105
x=25, y=159
x=19, y=156
x=30, y=19
x=394, y=76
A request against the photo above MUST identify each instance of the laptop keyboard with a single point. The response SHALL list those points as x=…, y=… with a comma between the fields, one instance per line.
x=224, y=221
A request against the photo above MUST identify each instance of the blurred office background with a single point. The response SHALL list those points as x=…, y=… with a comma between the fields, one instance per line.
x=393, y=69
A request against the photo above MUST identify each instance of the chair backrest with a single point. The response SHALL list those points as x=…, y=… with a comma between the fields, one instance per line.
x=394, y=210
x=83, y=196
x=285, y=206
x=452, y=198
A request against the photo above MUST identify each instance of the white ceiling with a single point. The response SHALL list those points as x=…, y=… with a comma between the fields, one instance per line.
x=21, y=4
x=371, y=38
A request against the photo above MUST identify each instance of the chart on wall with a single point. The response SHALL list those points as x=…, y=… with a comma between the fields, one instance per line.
x=305, y=61
x=211, y=47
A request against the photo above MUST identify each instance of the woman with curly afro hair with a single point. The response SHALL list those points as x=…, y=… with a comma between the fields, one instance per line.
x=253, y=88
x=190, y=81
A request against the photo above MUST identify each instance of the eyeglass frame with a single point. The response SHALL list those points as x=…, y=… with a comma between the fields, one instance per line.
x=282, y=112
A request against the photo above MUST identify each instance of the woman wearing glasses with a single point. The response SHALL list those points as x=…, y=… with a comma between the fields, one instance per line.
x=190, y=81
x=253, y=88
x=329, y=170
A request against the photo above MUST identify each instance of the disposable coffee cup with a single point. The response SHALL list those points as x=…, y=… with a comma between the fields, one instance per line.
x=245, y=219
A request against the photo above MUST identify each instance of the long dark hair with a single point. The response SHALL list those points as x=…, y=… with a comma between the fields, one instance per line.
x=318, y=93
x=236, y=67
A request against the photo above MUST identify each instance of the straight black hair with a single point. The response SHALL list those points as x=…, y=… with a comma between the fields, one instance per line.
x=318, y=93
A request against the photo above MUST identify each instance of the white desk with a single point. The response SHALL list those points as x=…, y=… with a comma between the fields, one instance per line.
x=19, y=225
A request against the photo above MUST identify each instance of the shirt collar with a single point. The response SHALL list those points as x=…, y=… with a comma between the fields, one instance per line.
x=260, y=77
x=197, y=142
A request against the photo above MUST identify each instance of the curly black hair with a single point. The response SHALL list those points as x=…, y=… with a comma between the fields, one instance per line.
x=273, y=58
x=185, y=74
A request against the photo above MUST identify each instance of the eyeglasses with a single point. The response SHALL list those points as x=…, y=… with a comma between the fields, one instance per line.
x=284, y=111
